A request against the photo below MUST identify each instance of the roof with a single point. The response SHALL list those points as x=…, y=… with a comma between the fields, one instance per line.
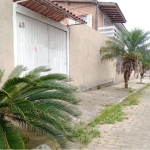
x=49, y=9
x=110, y=9
x=75, y=1
x=113, y=11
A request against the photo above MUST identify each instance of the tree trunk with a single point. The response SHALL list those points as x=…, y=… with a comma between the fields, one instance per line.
x=2, y=115
x=141, y=79
x=126, y=79
x=142, y=74
x=126, y=84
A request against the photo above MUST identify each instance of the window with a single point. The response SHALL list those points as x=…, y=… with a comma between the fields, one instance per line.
x=106, y=22
x=87, y=18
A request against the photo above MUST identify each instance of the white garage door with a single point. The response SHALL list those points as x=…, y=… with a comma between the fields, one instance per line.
x=40, y=44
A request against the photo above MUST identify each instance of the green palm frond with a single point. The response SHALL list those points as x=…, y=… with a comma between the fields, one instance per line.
x=54, y=95
x=112, y=49
x=132, y=47
x=40, y=103
x=133, y=55
x=1, y=75
x=3, y=93
x=9, y=136
x=3, y=142
x=139, y=37
x=17, y=81
x=146, y=62
x=17, y=72
x=125, y=39
x=49, y=104
x=54, y=76
x=109, y=56
x=144, y=48
x=37, y=71
x=55, y=85
x=49, y=130
x=46, y=124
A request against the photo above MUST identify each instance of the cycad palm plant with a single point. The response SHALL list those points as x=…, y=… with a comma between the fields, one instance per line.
x=41, y=103
x=126, y=52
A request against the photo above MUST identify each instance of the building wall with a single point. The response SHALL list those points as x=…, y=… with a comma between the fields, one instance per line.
x=119, y=78
x=100, y=18
x=6, y=37
x=83, y=9
x=86, y=68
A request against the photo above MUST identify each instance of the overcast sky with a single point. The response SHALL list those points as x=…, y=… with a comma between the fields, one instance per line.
x=136, y=12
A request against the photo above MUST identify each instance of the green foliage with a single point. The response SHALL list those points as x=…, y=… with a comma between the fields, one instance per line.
x=10, y=136
x=99, y=87
x=44, y=104
x=1, y=75
x=17, y=71
x=109, y=115
x=26, y=140
x=85, y=134
x=132, y=100
x=131, y=51
x=130, y=90
x=145, y=61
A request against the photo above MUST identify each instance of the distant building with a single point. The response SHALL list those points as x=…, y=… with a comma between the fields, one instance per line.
x=106, y=17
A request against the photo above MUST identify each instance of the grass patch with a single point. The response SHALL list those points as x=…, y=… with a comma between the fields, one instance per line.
x=132, y=100
x=99, y=87
x=130, y=90
x=109, y=115
x=85, y=134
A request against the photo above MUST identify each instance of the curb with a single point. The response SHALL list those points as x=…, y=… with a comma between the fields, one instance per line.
x=121, y=100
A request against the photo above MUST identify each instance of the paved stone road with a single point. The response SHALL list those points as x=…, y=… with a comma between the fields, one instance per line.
x=132, y=133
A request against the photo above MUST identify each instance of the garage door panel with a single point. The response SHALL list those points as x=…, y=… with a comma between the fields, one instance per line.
x=57, y=50
x=32, y=42
x=40, y=44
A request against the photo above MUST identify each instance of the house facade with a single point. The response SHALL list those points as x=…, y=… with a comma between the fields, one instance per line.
x=35, y=34
x=105, y=17
x=32, y=35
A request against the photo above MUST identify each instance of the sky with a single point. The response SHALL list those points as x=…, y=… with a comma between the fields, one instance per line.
x=136, y=12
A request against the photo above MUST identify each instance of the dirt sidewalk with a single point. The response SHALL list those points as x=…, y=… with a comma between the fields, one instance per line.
x=92, y=102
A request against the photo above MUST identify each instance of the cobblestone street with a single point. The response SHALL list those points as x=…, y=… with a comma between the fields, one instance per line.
x=132, y=133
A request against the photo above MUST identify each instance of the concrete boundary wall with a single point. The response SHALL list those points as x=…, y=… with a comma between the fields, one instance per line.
x=86, y=68
x=6, y=37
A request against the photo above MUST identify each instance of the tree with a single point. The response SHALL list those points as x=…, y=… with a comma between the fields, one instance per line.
x=145, y=62
x=126, y=52
x=41, y=103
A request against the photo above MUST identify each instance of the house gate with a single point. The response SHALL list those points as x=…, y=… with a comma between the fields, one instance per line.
x=40, y=41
